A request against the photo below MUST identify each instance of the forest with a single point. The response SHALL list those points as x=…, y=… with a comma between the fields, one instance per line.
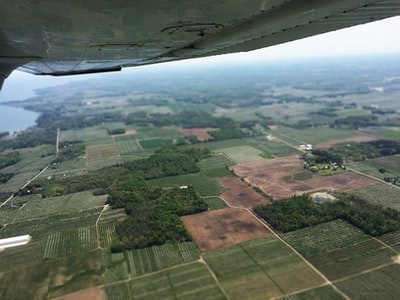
x=301, y=211
x=153, y=215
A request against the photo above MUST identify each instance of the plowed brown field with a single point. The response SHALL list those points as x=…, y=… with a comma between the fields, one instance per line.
x=201, y=133
x=224, y=227
x=239, y=194
x=271, y=177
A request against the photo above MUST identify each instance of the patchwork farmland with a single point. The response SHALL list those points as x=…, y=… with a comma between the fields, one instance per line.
x=269, y=175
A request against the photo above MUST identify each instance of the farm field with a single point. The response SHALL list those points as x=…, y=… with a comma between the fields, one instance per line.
x=392, y=239
x=68, y=168
x=89, y=136
x=380, y=193
x=311, y=135
x=214, y=203
x=239, y=194
x=100, y=156
x=150, y=132
x=324, y=292
x=391, y=165
x=34, y=206
x=203, y=184
x=263, y=268
x=271, y=148
x=269, y=175
x=33, y=160
x=220, y=228
x=378, y=284
x=339, y=249
x=154, y=143
x=192, y=281
x=127, y=144
x=357, y=136
x=200, y=133
x=243, y=154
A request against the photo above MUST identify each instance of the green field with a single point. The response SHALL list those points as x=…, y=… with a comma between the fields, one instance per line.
x=378, y=284
x=127, y=144
x=392, y=239
x=271, y=148
x=203, y=184
x=68, y=168
x=380, y=193
x=33, y=160
x=192, y=281
x=391, y=164
x=243, y=154
x=264, y=267
x=311, y=135
x=34, y=206
x=216, y=166
x=215, y=203
x=325, y=293
x=339, y=249
x=89, y=136
x=159, y=142
x=150, y=132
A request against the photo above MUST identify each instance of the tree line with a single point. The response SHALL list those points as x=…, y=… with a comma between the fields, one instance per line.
x=301, y=211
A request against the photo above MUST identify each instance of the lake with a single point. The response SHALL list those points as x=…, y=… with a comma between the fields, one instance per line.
x=16, y=119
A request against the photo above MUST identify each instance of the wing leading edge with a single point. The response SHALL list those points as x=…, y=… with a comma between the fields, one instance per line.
x=73, y=37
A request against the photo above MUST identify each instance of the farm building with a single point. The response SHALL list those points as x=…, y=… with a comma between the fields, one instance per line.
x=307, y=147
x=14, y=241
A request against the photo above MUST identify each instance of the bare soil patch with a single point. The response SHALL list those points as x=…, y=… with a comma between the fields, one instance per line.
x=127, y=132
x=224, y=227
x=92, y=294
x=358, y=137
x=201, y=133
x=271, y=177
x=239, y=194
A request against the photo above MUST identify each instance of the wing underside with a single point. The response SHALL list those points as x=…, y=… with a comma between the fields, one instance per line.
x=72, y=37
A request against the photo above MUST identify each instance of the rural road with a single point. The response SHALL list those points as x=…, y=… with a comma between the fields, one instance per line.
x=38, y=174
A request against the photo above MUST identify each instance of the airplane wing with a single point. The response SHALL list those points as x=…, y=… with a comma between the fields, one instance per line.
x=60, y=37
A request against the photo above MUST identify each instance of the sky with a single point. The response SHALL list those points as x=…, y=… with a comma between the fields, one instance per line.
x=381, y=37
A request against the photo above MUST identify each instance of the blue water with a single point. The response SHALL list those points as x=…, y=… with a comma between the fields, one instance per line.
x=16, y=119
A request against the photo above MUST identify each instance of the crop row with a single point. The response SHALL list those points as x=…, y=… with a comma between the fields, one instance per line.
x=128, y=146
x=70, y=242
x=324, y=237
x=352, y=259
x=378, y=284
x=272, y=268
x=106, y=232
x=52, y=245
x=185, y=282
x=142, y=261
x=325, y=292
x=380, y=193
x=392, y=239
